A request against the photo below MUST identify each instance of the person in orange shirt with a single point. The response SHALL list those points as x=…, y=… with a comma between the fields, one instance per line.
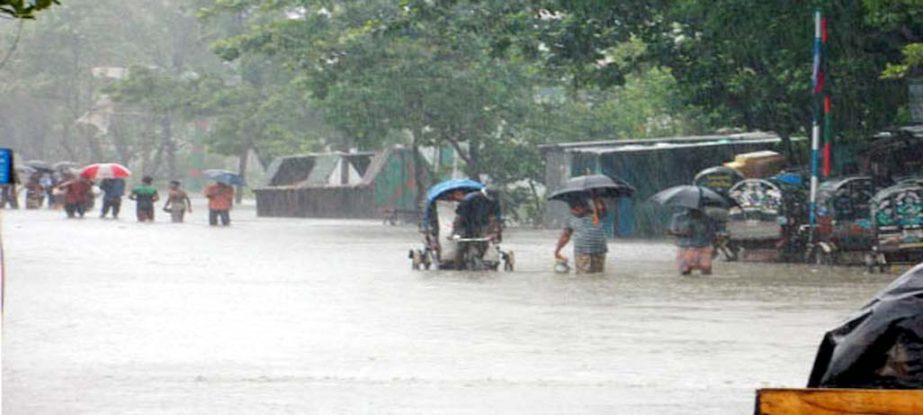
x=220, y=198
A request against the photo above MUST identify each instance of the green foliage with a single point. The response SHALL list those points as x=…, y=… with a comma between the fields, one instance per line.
x=912, y=62
x=22, y=9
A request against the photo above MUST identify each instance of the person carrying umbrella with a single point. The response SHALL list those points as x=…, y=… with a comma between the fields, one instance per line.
x=77, y=191
x=144, y=196
x=585, y=227
x=220, y=199
x=695, y=231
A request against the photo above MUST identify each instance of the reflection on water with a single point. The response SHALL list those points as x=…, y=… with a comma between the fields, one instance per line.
x=324, y=316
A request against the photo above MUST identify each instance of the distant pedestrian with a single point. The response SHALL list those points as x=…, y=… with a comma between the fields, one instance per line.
x=48, y=184
x=76, y=191
x=8, y=196
x=177, y=202
x=695, y=232
x=220, y=199
x=144, y=196
x=35, y=193
x=113, y=190
x=586, y=228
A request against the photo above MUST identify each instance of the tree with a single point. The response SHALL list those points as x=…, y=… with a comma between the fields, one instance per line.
x=21, y=9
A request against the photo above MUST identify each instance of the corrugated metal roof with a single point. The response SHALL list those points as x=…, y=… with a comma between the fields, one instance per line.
x=649, y=144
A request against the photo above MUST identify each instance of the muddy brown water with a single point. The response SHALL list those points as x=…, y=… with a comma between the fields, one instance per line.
x=326, y=317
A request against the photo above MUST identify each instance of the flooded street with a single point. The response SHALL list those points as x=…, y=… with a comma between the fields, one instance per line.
x=326, y=317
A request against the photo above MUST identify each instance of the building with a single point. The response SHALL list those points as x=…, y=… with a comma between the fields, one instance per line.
x=649, y=165
x=342, y=185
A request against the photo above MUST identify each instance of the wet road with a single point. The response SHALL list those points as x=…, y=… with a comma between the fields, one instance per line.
x=326, y=317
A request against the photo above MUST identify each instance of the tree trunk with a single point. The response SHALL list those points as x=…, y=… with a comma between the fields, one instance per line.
x=147, y=146
x=65, y=142
x=242, y=171
x=417, y=168
x=122, y=151
x=168, y=144
x=474, y=155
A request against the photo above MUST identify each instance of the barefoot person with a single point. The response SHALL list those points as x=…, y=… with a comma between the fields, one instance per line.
x=144, y=196
x=177, y=202
x=694, y=232
x=220, y=199
x=586, y=229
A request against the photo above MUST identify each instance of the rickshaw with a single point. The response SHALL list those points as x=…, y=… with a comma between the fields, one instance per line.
x=766, y=215
x=897, y=223
x=442, y=245
x=844, y=227
x=720, y=179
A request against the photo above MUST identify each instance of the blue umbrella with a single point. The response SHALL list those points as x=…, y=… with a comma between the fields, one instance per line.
x=450, y=185
x=224, y=176
x=442, y=188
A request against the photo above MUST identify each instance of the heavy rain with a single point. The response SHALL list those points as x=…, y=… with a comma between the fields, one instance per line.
x=461, y=207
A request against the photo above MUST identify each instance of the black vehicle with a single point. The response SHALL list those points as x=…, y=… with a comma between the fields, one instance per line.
x=897, y=223
x=844, y=226
x=767, y=215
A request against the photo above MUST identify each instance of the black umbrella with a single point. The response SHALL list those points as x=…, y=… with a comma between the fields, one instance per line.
x=601, y=185
x=65, y=165
x=40, y=165
x=687, y=196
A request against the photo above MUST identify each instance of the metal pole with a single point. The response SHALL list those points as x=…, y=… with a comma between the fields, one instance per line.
x=815, y=128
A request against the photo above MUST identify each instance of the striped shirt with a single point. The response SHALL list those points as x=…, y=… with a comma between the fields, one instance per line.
x=588, y=238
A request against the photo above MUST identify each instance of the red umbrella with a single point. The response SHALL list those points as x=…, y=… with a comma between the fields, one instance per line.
x=105, y=171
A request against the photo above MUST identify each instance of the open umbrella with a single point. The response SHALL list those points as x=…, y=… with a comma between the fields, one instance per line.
x=441, y=188
x=39, y=165
x=24, y=170
x=687, y=196
x=105, y=171
x=65, y=165
x=224, y=176
x=603, y=186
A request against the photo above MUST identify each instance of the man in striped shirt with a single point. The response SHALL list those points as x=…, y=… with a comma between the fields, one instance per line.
x=586, y=229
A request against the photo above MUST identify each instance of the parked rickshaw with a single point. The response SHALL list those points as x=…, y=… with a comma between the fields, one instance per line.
x=767, y=216
x=897, y=222
x=844, y=226
x=444, y=247
x=720, y=179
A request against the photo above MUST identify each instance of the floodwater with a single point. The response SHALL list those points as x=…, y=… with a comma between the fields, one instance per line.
x=326, y=317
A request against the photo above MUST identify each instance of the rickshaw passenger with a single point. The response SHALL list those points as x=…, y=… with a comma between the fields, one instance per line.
x=478, y=215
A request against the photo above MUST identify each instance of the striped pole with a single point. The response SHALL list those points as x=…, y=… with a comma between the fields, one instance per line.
x=825, y=96
x=817, y=83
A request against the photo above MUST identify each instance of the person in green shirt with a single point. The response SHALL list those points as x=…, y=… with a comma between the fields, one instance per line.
x=144, y=196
